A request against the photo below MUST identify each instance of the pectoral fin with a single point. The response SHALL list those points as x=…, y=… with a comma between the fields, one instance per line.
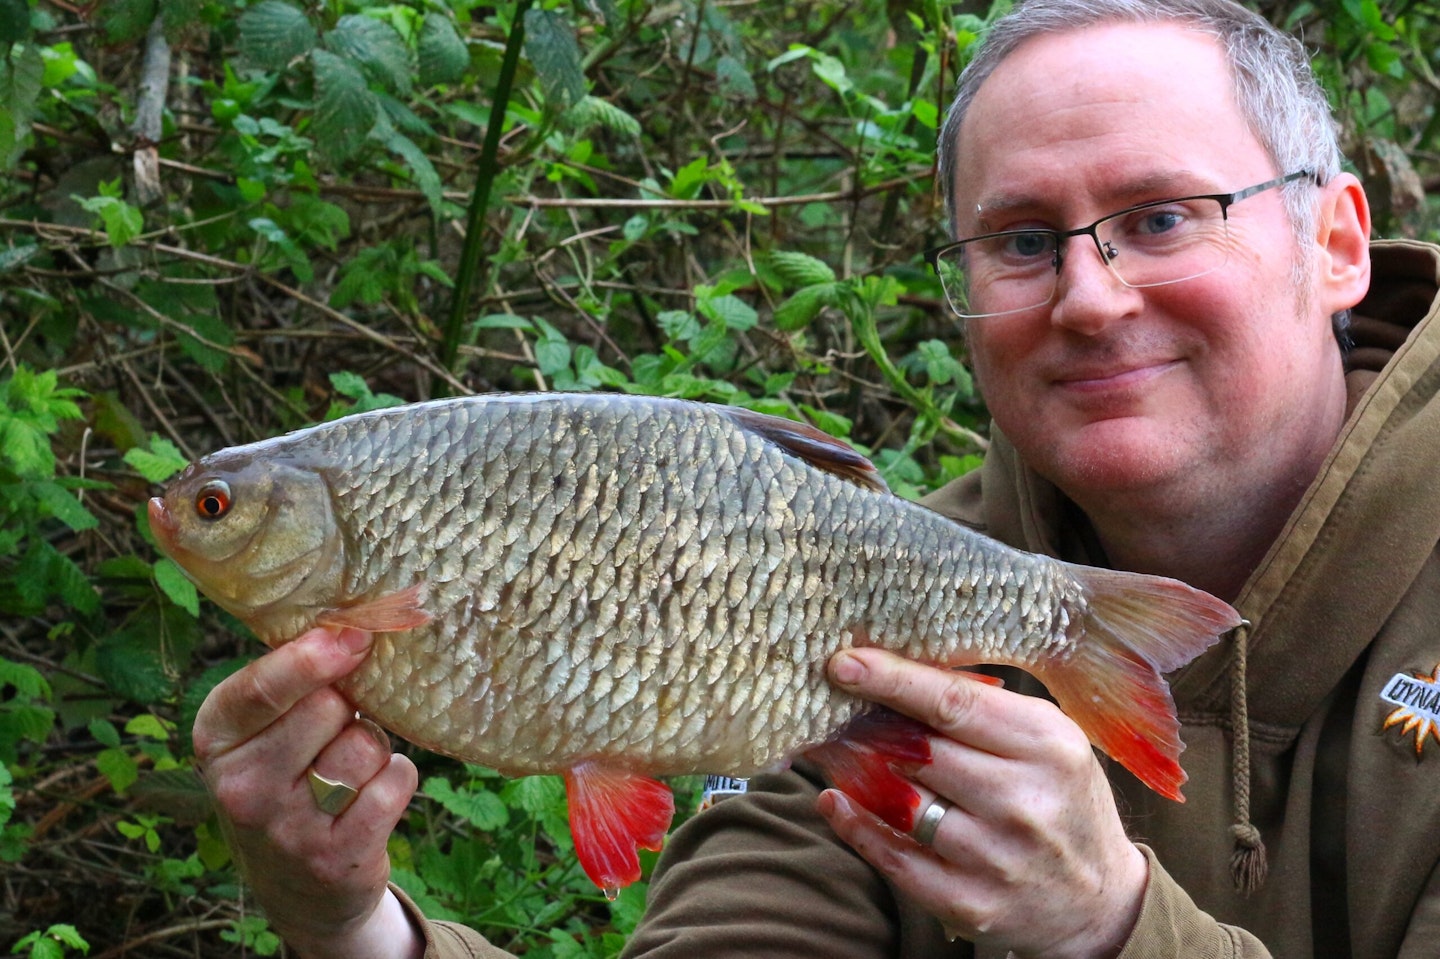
x=614, y=812
x=383, y=614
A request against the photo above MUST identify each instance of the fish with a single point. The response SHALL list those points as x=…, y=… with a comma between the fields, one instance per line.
x=620, y=589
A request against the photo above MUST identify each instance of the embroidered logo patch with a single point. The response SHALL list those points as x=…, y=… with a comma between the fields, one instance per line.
x=1416, y=698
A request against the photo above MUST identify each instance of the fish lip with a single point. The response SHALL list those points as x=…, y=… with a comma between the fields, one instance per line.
x=162, y=523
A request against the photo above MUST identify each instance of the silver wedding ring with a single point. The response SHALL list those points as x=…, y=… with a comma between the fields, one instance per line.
x=929, y=821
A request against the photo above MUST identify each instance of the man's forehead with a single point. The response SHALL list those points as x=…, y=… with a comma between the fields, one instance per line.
x=1134, y=109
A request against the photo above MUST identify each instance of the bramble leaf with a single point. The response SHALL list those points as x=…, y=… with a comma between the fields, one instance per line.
x=550, y=45
x=345, y=109
x=443, y=55
x=273, y=33
x=376, y=47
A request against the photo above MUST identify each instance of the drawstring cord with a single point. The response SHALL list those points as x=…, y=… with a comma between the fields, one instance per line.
x=1248, y=864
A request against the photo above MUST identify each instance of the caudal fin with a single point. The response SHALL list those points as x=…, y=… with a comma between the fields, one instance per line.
x=1138, y=627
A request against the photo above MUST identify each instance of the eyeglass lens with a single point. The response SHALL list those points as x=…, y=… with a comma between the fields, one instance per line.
x=1156, y=244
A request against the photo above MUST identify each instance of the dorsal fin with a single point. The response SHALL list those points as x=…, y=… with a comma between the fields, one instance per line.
x=818, y=448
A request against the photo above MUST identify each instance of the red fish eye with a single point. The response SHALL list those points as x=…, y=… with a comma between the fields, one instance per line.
x=213, y=500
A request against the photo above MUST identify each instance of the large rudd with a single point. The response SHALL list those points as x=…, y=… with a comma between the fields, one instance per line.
x=616, y=588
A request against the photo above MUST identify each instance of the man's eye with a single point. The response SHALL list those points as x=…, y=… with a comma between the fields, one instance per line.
x=1029, y=245
x=1158, y=221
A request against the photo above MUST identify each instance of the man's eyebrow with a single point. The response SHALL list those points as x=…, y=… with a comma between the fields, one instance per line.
x=1140, y=189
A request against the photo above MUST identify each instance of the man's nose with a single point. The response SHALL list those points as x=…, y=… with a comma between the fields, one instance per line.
x=1088, y=293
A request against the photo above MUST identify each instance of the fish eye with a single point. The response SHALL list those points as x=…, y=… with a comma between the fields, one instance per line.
x=213, y=500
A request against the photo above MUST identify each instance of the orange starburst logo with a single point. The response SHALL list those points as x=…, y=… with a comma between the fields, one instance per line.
x=1416, y=697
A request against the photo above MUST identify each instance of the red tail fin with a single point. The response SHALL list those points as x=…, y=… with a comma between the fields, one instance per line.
x=1138, y=627
x=614, y=811
x=860, y=761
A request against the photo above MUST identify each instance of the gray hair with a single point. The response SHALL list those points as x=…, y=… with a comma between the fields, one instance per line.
x=1275, y=88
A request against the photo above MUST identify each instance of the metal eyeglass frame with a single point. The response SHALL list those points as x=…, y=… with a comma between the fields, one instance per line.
x=1226, y=200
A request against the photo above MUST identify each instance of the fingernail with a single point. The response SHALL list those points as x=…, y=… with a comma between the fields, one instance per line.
x=829, y=803
x=354, y=641
x=846, y=670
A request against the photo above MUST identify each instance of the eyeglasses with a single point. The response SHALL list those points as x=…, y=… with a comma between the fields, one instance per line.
x=1164, y=241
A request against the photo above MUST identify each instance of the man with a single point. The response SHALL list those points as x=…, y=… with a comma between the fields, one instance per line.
x=1169, y=396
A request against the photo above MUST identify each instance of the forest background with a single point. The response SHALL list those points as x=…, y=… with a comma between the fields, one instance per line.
x=223, y=219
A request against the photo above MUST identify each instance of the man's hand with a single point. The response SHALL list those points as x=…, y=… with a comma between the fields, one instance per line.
x=320, y=878
x=1032, y=856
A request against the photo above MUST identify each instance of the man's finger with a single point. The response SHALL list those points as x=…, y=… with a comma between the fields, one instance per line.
x=259, y=694
x=956, y=704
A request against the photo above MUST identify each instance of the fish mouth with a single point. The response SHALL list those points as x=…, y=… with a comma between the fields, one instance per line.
x=162, y=524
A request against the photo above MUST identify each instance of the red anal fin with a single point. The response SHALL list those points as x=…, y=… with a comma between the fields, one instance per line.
x=816, y=447
x=862, y=758
x=614, y=812
x=384, y=614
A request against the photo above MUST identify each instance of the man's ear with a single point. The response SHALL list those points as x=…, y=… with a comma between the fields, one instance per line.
x=1342, y=240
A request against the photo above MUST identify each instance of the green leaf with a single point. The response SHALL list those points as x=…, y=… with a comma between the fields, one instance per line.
x=537, y=795
x=680, y=325
x=150, y=725
x=105, y=733
x=801, y=269
x=940, y=366
x=444, y=57
x=174, y=584
x=552, y=355
x=119, y=767
x=688, y=180
x=352, y=385
x=797, y=312
x=374, y=45
x=63, y=505
x=28, y=681
x=69, y=935
x=7, y=796
x=550, y=45
x=22, y=73
x=832, y=423
x=126, y=20
x=14, y=21
x=729, y=309
x=122, y=221
x=58, y=575
x=273, y=33
x=420, y=167
x=480, y=807
x=158, y=463
x=735, y=79
x=345, y=109
x=26, y=722
x=131, y=666
x=591, y=111
x=364, y=279
x=17, y=256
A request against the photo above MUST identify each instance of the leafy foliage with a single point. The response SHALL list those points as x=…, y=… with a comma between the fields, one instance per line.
x=689, y=199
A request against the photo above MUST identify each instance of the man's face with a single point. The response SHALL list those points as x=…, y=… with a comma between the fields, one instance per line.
x=1186, y=392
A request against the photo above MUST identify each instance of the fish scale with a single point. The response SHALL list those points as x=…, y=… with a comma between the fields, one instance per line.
x=616, y=587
